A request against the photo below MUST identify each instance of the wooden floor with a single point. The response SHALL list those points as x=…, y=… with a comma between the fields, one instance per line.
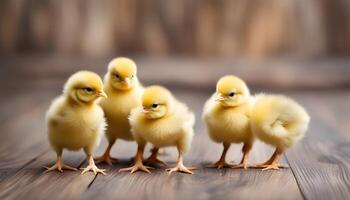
x=319, y=166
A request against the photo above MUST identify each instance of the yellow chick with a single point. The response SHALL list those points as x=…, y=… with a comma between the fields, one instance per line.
x=75, y=120
x=163, y=121
x=279, y=121
x=227, y=116
x=124, y=93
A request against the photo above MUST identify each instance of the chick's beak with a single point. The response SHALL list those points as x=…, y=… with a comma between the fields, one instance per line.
x=219, y=98
x=101, y=94
x=145, y=110
x=127, y=82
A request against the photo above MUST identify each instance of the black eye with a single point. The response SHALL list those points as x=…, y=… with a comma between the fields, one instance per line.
x=117, y=76
x=88, y=89
x=154, y=105
x=232, y=94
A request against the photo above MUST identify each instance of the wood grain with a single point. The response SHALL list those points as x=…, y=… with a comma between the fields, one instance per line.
x=34, y=184
x=23, y=130
x=321, y=162
x=319, y=165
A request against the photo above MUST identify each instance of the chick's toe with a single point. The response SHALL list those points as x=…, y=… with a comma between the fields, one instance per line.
x=137, y=167
x=106, y=159
x=59, y=167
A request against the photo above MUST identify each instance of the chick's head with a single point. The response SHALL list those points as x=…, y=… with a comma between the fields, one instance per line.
x=84, y=87
x=231, y=91
x=122, y=73
x=156, y=102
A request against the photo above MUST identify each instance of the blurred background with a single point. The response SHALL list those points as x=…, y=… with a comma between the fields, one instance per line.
x=300, y=48
x=281, y=44
x=200, y=28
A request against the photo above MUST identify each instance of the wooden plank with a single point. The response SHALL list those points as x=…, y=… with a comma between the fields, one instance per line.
x=24, y=136
x=16, y=102
x=335, y=110
x=31, y=183
x=206, y=183
x=321, y=162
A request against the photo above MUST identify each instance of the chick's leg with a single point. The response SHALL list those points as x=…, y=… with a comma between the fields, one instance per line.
x=153, y=158
x=106, y=157
x=221, y=163
x=138, y=165
x=59, y=165
x=160, y=152
x=272, y=163
x=180, y=166
x=244, y=162
x=91, y=166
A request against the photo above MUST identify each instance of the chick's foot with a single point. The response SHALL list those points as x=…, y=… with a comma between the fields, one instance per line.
x=241, y=165
x=59, y=167
x=181, y=168
x=244, y=162
x=106, y=159
x=137, y=167
x=93, y=168
x=272, y=166
x=221, y=164
x=152, y=160
x=272, y=163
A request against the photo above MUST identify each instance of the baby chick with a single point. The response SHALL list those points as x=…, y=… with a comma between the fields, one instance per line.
x=75, y=120
x=163, y=121
x=227, y=116
x=124, y=93
x=279, y=121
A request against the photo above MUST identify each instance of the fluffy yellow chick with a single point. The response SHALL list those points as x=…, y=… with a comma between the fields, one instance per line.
x=124, y=93
x=227, y=116
x=279, y=121
x=75, y=120
x=163, y=121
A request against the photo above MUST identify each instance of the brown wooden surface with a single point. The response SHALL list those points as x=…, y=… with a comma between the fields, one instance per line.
x=319, y=165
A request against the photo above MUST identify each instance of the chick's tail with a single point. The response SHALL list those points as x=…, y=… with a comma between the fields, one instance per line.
x=278, y=119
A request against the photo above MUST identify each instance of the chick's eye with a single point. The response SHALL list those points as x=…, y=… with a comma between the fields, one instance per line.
x=232, y=94
x=132, y=76
x=154, y=105
x=117, y=76
x=88, y=89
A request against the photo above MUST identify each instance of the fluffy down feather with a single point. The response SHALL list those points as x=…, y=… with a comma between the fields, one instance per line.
x=163, y=121
x=278, y=120
x=117, y=109
x=171, y=130
x=227, y=124
x=123, y=96
x=74, y=127
x=227, y=116
x=75, y=121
